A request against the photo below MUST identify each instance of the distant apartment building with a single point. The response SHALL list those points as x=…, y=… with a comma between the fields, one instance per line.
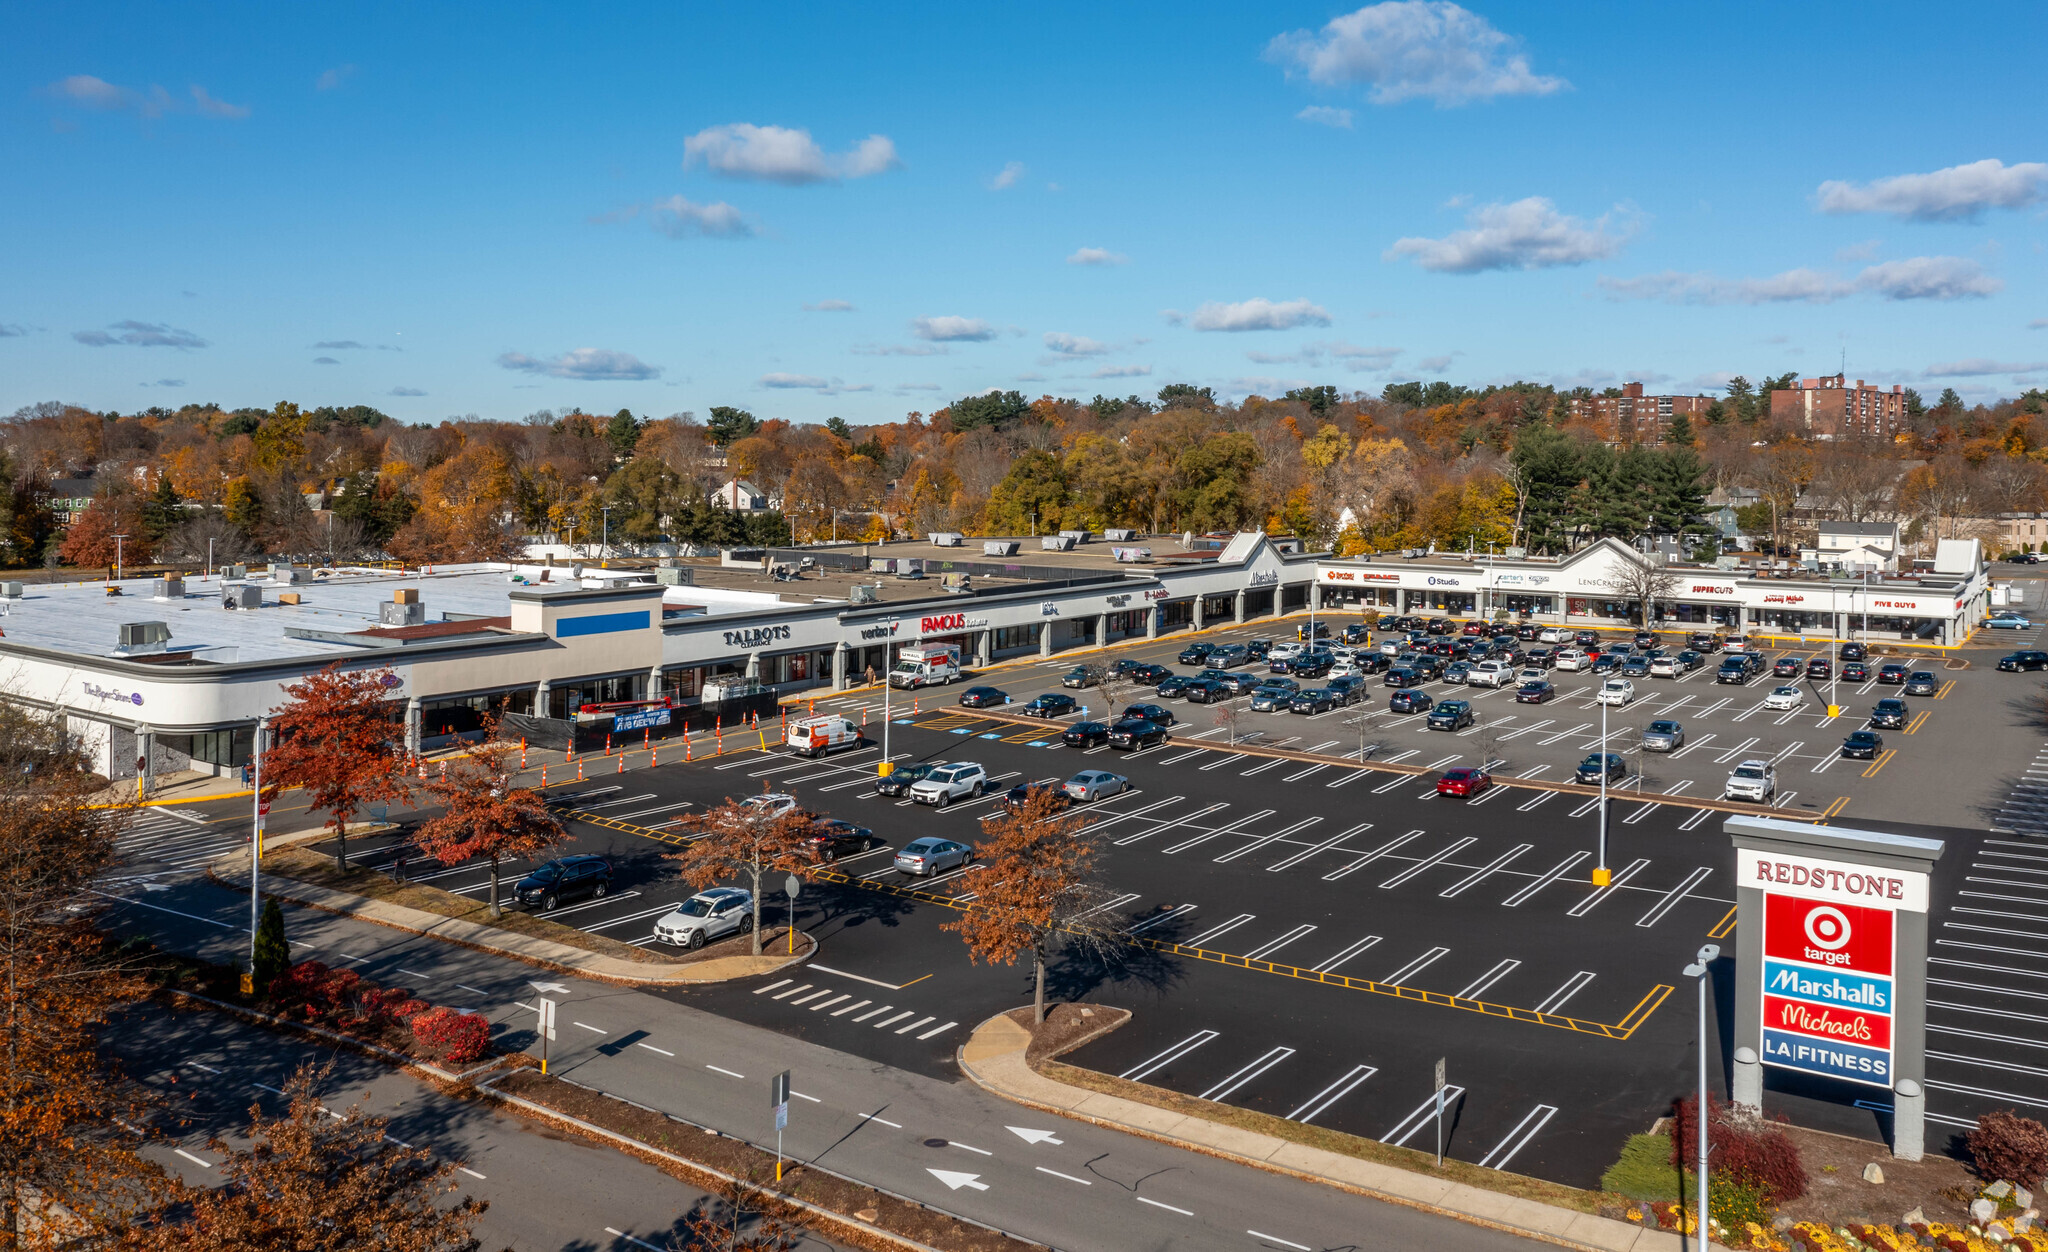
x=1828, y=408
x=1633, y=417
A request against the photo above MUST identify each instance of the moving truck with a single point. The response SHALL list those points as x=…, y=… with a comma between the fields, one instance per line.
x=926, y=665
x=815, y=736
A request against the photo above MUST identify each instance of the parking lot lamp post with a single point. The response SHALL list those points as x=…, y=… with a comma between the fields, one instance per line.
x=886, y=767
x=1709, y=953
x=1601, y=876
x=117, y=556
x=604, y=545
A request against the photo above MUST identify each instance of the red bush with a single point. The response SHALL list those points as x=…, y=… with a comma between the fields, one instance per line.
x=386, y=1001
x=410, y=1009
x=463, y=1036
x=1742, y=1148
x=296, y=984
x=2010, y=1147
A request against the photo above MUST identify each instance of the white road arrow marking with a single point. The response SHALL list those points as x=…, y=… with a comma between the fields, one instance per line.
x=957, y=1180
x=545, y=987
x=1032, y=1136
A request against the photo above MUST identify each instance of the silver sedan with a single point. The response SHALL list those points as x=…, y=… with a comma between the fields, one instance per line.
x=1095, y=784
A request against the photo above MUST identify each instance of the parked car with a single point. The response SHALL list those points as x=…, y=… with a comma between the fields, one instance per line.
x=1238, y=682
x=1612, y=764
x=562, y=879
x=1413, y=700
x=708, y=915
x=1606, y=663
x=1487, y=674
x=2010, y=621
x=1136, y=732
x=1458, y=673
x=961, y=780
x=830, y=839
x=1586, y=639
x=1689, y=660
x=2024, y=660
x=1863, y=745
x=1451, y=715
x=1020, y=795
x=1752, y=780
x=1618, y=691
x=1892, y=674
x=1096, y=784
x=1402, y=676
x=1858, y=672
x=1257, y=649
x=1463, y=781
x=1078, y=677
x=1541, y=658
x=1149, y=675
x=1311, y=664
x=1784, y=698
x=1733, y=669
x=768, y=804
x=1205, y=691
x=1195, y=653
x=1663, y=735
x=1474, y=627
x=1889, y=714
x=1819, y=669
x=1572, y=660
x=931, y=855
x=1051, y=704
x=1646, y=639
x=1347, y=690
x=1176, y=685
x=1535, y=693
x=1150, y=712
x=904, y=777
x=1438, y=626
x=1272, y=697
x=983, y=697
x=1921, y=683
x=1312, y=700
x=1356, y=633
x=1228, y=655
x=1086, y=734
x=1853, y=651
x=1705, y=640
x=1312, y=630
x=1786, y=667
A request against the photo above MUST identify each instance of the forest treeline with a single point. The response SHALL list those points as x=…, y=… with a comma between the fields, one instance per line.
x=1414, y=466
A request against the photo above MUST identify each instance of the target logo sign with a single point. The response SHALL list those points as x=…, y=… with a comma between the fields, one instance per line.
x=1834, y=936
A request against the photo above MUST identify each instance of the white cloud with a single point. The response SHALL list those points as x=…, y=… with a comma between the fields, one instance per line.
x=1526, y=235
x=1007, y=177
x=1323, y=115
x=166, y=382
x=1433, y=364
x=330, y=79
x=1977, y=367
x=92, y=92
x=811, y=382
x=325, y=360
x=1122, y=371
x=1957, y=193
x=679, y=218
x=2039, y=323
x=1096, y=256
x=1413, y=49
x=778, y=154
x=1273, y=358
x=1263, y=385
x=1074, y=345
x=1859, y=251
x=97, y=93
x=1257, y=313
x=916, y=387
x=584, y=365
x=1917, y=278
x=830, y=306
x=1361, y=358
x=405, y=391
x=953, y=329
x=899, y=349
x=206, y=106
x=139, y=335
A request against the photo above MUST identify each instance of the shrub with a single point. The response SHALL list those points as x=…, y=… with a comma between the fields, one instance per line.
x=298, y=984
x=385, y=1001
x=2010, y=1147
x=462, y=1036
x=1742, y=1148
x=409, y=1009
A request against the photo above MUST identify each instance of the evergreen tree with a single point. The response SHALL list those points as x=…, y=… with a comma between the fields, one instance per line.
x=1680, y=433
x=838, y=426
x=623, y=433
x=272, y=955
x=162, y=509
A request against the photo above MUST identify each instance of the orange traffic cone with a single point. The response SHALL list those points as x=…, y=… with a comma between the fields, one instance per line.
x=622, y=763
x=579, y=771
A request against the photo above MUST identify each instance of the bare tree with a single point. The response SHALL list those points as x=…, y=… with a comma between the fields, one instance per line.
x=1636, y=579
x=1856, y=478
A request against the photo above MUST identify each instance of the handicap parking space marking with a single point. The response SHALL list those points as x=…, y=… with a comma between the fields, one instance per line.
x=1587, y=905
x=1519, y=1137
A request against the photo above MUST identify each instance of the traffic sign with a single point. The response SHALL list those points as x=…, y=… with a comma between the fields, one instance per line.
x=792, y=886
x=547, y=1019
x=778, y=1088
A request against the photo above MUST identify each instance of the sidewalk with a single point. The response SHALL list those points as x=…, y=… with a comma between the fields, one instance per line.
x=994, y=1058
x=232, y=871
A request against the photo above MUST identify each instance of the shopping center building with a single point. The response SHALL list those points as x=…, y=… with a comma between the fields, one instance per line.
x=167, y=675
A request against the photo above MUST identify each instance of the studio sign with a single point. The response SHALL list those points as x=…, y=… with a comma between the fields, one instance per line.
x=755, y=636
x=98, y=692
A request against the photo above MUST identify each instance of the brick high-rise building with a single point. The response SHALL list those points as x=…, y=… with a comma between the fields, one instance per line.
x=1828, y=408
x=1633, y=417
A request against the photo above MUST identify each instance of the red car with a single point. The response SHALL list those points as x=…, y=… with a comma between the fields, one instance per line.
x=1474, y=628
x=1463, y=781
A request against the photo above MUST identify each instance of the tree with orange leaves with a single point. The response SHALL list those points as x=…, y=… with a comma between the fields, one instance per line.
x=336, y=742
x=317, y=1181
x=1039, y=883
x=90, y=540
x=746, y=839
x=484, y=814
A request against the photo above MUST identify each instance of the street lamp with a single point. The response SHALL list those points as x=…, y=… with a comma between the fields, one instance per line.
x=256, y=836
x=887, y=766
x=1601, y=875
x=1709, y=953
x=604, y=545
x=117, y=556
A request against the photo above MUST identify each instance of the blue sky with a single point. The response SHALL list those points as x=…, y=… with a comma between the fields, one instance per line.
x=868, y=210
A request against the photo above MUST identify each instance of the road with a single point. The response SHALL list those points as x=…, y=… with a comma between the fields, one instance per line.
x=1092, y=1189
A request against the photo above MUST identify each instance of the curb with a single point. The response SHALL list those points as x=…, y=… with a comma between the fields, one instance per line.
x=553, y=956
x=992, y=1063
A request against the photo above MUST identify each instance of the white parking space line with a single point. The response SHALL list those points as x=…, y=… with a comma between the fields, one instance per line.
x=874, y=1012
x=1313, y=769
x=824, y=1004
x=1424, y=1114
x=1429, y=862
x=1329, y=965
x=683, y=804
x=1219, y=931
x=1399, y=780
x=1550, y=876
x=1230, y=1085
x=1138, y=1072
x=1264, y=840
x=1735, y=751
x=1700, y=742
x=1326, y=845
x=1374, y=855
x=1400, y=976
x=1479, y=985
x=1149, y=922
x=914, y=1025
x=1542, y=798
x=1555, y=1002
x=1274, y=945
x=891, y=1021
x=1673, y=897
x=780, y=982
x=1111, y=905
x=857, y=1004
x=1320, y=1102
x=940, y=1030
x=1587, y=905
x=793, y=990
x=1690, y=822
x=1480, y=875
x=1519, y=1137
x=1229, y=828
x=1156, y=805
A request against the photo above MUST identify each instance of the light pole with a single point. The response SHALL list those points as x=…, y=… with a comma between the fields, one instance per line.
x=604, y=545
x=1709, y=953
x=1601, y=875
x=887, y=766
x=209, y=559
x=256, y=838
x=117, y=556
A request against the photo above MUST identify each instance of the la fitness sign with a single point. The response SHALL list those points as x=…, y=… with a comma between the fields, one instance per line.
x=1830, y=946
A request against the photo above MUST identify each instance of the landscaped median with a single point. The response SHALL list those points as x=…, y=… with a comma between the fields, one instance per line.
x=1001, y=1057
x=304, y=877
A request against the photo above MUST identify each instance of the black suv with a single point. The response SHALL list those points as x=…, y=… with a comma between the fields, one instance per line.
x=1451, y=715
x=2024, y=660
x=565, y=878
x=1195, y=653
x=1889, y=714
x=1855, y=652
x=1348, y=690
x=898, y=781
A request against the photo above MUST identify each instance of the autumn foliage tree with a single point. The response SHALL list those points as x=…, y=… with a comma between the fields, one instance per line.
x=1038, y=885
x=311, y=1181
x=483, y=813
x=90, y=540
x=335, y=742
x=742, y=840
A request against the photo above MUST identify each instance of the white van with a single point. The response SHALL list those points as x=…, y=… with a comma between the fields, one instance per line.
x=815, y=736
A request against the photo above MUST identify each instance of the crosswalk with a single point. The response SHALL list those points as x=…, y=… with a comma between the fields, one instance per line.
x=2026, y=809
x=178, y=839
x=862, y=1011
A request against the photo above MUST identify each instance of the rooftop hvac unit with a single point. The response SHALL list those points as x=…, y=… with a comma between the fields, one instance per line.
x=407, y=613
x=1078, y=536
x=1119, y=536
x=144, y=636
x=1000, y=547
x=944, y=539
x=168, y=588
x=675, y=576
x=234, y=571
x=241, y=596
x=864, y=593
x=1131, y=555
x=1057, y=543
x=881, y=565
x=10, y=591
x=286, y=572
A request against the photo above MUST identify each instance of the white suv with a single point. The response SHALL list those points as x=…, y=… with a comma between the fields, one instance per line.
x=1752, y=780
x=1571, y=659
x=947, y=783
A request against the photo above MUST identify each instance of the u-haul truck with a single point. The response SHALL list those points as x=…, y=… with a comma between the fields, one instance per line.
x=926, y=665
